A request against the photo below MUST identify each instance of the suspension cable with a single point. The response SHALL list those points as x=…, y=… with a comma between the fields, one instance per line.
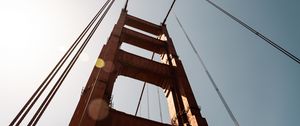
x=57, y=85
x=137, y=108
x=293, y=57
x=126, y=3
x=208, y=74
x=140, y=110
x=93, y=86
x=169, y=12
x=51, y=75
x=138, y=105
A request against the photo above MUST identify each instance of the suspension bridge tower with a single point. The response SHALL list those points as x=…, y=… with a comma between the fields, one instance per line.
x=94, y=104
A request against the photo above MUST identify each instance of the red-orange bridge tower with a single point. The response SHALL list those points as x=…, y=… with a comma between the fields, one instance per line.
x=93, y=107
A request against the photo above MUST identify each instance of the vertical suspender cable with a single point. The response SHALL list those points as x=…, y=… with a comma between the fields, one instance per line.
x=51, y=75
x=140, y=110
x=257, y=33
x=208, y=74
x=140, y=99
x=138, y=106
x=53, y=91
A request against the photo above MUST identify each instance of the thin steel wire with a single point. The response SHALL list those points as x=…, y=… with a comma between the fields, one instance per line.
x=57, y=85
x=142, y=92
x=51, y=75
x=209, y=76
x=169, y=12
x=290, y=55
x=126, y=3
x=139, y=102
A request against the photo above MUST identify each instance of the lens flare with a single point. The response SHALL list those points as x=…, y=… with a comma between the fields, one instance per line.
x=100, y=63
x=109, y=66
x=98, y=109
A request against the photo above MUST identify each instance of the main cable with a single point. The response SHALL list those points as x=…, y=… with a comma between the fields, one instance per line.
x=293, y=57
x=169, y=12
x=208, y=74
x=51, y=75
x=126, y=3
x=57, y=85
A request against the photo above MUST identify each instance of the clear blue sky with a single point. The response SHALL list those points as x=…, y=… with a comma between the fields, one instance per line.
x=259, y=83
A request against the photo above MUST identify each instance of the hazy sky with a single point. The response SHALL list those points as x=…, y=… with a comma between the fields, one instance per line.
x=259, y=83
